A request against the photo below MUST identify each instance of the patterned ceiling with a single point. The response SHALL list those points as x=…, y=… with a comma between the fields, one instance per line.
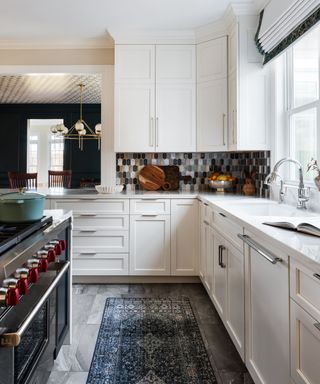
x=49, y=88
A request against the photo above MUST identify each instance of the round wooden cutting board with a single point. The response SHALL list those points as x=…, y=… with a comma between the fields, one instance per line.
x=152, y=178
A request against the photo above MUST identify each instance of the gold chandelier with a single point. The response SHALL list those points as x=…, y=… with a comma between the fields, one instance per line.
x=80, y=130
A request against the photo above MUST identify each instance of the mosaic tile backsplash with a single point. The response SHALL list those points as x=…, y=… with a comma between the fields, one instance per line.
x=196, y=167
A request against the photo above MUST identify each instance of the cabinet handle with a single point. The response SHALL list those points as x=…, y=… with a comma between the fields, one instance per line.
x=151, y=132
x=86, y=215
x=222, y=214
x=264, y=253
x=206, y=222
x=206, y=204
x=88, y=253
x=317, y=276
x=317, y=325
x=146, y=215
x=233, y=126
x=157, y=131
x=88, y=230
x=221, y=249
x=223, y=138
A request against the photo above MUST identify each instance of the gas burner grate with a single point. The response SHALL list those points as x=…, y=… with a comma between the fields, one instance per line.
x=13, y=233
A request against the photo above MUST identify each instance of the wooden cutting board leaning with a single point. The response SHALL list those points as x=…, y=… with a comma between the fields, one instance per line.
x=154, y=177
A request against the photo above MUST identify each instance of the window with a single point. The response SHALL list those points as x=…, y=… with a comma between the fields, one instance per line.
x=56, y=148
x=33, y=154
x=303, y=103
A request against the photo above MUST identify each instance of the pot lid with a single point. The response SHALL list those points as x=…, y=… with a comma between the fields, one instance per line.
x=13, y=196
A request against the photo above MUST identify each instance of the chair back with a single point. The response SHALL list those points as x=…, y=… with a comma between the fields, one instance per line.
x=59, y=179
x=23, y=180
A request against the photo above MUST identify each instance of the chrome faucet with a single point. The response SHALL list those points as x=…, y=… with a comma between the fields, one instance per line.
x=271, y=178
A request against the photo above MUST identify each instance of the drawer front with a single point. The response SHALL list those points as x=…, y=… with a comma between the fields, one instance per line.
x=228, y=228
x=206, y=213
x=305, y=288
x=305, y=346
x=109, y=241
x=99, y=221
x=150, y=206
x=111, y=206
x=100, y=263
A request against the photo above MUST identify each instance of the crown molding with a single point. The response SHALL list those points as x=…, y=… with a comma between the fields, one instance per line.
x=210, y=31
x=153, y=36
x=99, y=43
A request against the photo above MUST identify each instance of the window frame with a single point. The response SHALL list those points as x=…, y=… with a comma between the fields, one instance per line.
x=291, y=110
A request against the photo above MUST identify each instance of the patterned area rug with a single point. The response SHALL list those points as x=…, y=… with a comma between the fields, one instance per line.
x=150, y=341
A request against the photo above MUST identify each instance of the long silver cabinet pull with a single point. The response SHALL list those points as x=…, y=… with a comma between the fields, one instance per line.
x=317, y=325
x=149, y=215
x=88, y=253
x=206, y=222
x=86, y=215
x=221, y=249
x=157, y=131
x=151, y=129
x=87, y=230
x=264, y=253
x=223, y=138
x=317, y=276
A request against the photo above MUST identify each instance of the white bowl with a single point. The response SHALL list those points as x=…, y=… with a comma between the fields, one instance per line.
x=109, y=188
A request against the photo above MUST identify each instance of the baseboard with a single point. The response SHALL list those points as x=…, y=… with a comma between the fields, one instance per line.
x=134, y=279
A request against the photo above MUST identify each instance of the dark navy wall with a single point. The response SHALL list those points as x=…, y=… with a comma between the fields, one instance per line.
x=13, y=139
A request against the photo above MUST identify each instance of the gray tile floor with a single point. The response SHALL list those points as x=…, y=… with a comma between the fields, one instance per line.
x=73, y=362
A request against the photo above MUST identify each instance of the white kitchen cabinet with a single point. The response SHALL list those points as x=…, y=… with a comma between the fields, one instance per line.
x=155, y=100
x=206, y=247
x=267, y=314
x=248, y=89
x=305, y=346
x=149, y=244
x=212, y=116
x=184, y=237
x=212, y=109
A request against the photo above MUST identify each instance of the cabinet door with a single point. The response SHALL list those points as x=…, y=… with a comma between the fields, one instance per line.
x=134, y=118
x=212, y=115
x=219, y=286
x=305, y=346
x=267, y=318
x=135, y=64
x=235, y=297
x=233, y=111
x=203, y=249
x=212, y=60
x=184, y=237
x=175, y=64
x=149, y=245
x=175, y=118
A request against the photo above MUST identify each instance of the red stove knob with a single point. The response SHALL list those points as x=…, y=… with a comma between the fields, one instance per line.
x=33, y=274
x=42, y=257
x=57, y=246
x=53, y=248
x=63, y=245
x=12, y=292
x=51, y=256
x=22, y=275
x=3, y=297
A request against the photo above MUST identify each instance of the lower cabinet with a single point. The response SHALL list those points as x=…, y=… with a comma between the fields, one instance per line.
x=267, y=313
x=149, y=245
x=228, y=287
x=305, y=346
x=184, y=237
x=206, y=255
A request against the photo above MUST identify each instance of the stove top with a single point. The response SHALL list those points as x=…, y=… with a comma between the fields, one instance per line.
x=13, y=233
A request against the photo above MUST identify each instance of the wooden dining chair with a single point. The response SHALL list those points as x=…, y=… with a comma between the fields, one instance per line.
x=59, y=179
x=23, y=180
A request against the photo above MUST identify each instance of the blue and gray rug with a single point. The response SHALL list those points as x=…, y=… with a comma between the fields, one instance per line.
x=150, y=341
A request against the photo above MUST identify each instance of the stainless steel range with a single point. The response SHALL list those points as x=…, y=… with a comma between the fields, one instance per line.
x=34, y=298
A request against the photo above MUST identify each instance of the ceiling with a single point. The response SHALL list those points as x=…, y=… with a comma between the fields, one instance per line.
x=49, y=88
x=73, y=21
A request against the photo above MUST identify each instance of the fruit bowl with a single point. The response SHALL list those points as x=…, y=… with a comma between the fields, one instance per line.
x=109, y=188
x=220, y=185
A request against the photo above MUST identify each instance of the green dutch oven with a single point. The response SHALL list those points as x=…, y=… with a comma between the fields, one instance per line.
x=21, y=207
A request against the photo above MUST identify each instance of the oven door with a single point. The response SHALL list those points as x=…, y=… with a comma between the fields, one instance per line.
x=25, y=341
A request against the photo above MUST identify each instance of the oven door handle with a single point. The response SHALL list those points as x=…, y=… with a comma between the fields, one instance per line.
x=13, y=339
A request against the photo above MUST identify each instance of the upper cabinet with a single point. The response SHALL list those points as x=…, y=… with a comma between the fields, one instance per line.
x=212, y=102
x=155, y=98
x=247, y=89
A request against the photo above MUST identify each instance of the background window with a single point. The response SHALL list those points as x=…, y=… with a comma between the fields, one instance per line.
x=303, y=101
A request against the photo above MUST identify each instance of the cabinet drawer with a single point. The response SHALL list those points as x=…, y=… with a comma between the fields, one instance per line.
x=305, y=346
x=98, y=221
x=228, y=228
x=305, y=288
x=150, y=206
x=100, y=263
x=206, y=213
x=108, y=241
x=94, y=205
